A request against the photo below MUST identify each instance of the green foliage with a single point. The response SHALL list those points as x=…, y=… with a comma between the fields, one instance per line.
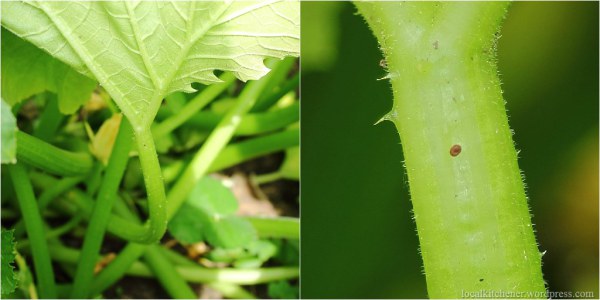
x=9, y=278
x=139, y=53
x=208, y=214
x=27, y=70
x=161, y=47
x=283, y=290
x=252, y=255
x=9, y=135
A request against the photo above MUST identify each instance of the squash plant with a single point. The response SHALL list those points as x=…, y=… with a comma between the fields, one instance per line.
x=141, y=53
x=467, y=192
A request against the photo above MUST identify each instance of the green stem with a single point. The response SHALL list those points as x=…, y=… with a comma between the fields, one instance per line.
x=94, y=179
x=272, y=92
x=268, y=177
x=167, y=274
x=252, y=124
x=238, y=276
x=119, y=266
x=281, y=227
x=197, y=274
x=243, y=151
x=155, y=188
x=470, y=207
x=194, y=172
x=102, y=210
x=192, y=107
x=240, y=152
x=35, y=230
x=231, y=291
x=55, y=232
x=269, y=100
x=51, y=159
x=49, y=194
x=213, y=145
x=49, y=120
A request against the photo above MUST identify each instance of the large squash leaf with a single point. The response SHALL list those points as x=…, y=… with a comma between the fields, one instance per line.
x=141, y=51
x=27, y=70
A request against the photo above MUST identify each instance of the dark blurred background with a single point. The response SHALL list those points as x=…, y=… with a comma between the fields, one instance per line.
x=358, y=237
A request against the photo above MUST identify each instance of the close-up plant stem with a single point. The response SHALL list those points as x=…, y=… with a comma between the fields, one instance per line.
x=101, y=211
x=35, y=231
x=468, y=196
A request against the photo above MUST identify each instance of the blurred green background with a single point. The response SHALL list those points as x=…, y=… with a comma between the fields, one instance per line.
x=358, y=237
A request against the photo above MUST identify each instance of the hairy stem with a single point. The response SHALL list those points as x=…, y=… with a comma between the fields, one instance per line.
x=469, y=202
x=155, y=188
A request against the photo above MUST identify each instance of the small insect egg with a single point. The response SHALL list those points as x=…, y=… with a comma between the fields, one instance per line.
x=383, y=63
x=455, y=150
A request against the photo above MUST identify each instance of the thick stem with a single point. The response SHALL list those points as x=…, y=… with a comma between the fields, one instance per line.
x=51, y=159
x=469, y=202
x=155, y=188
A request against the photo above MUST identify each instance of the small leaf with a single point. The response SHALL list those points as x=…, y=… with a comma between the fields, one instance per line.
x=141, y=51
x=282, y=290
x=186, y=227
x=9, y=135
x=27, y=70
x=227, y=255
x=213, y=198
x=9, y=278
x=208, y=214
x=230, y=232
x=258, y=252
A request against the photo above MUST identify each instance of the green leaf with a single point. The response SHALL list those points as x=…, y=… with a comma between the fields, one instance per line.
x=27, y=70
x=258, y=252
x=227, y=255
x=142, y=51
x=230, y=232
x=213, y=198
x=282, y=290
x=208, y=214
x=9, y=135
x=185, y=226
x=9, y=278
